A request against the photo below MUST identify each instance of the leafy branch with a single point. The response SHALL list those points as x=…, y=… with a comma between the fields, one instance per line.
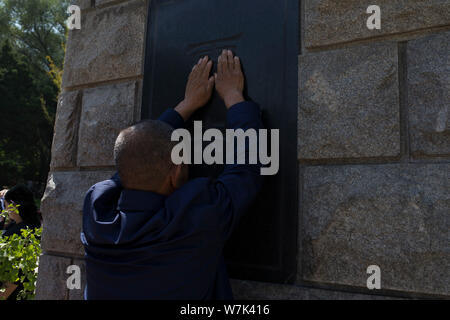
x=19, y=255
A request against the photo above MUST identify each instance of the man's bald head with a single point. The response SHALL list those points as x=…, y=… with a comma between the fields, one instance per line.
x=142, y=154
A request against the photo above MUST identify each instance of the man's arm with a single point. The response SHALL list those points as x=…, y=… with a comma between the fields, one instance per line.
x=239, y=184
x=172, y=118
x=198, y=91
x=236, y=188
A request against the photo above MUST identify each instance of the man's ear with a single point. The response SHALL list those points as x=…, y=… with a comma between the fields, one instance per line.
x=177, y=176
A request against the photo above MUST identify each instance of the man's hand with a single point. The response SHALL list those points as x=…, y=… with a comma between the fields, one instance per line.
x=229, y=79
x=198, y=89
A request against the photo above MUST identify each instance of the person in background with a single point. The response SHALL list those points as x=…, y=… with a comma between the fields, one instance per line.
x=2, y=207
x=27, y=217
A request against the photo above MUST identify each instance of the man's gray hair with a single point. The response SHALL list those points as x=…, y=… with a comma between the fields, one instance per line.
x=142, y=154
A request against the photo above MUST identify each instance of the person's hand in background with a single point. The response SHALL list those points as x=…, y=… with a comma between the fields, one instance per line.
x=2, y=215
x=198, y=89
x=3, y=192
x=2, y=205
x=229, y=79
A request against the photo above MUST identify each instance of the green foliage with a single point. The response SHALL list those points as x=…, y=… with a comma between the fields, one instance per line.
x=26, y=124
x=11, y=208
x=36, y=26
x=19, y=255
x=32, y=42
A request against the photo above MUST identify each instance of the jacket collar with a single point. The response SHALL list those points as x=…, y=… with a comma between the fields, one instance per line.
x=138, y=200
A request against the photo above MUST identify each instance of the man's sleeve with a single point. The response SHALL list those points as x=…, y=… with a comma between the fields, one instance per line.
x=239, y=184
x=172, y=118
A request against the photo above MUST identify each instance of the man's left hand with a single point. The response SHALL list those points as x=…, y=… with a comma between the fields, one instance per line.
x=199, y=88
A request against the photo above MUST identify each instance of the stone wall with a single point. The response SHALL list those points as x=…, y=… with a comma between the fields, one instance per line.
x=101, y=95
x=373, y=145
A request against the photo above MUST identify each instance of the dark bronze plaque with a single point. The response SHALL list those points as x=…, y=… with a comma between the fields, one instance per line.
x=264, y=34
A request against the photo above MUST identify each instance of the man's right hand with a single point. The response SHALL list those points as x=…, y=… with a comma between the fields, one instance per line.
x=229, y=79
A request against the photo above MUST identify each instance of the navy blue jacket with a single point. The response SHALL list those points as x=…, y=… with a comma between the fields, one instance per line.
x=143, y=245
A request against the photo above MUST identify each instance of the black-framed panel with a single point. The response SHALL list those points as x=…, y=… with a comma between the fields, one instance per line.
x=264, y=34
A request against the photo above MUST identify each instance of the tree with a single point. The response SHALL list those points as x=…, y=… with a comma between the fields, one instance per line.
x=32, y=40
x=25, y=125
x=37, y=28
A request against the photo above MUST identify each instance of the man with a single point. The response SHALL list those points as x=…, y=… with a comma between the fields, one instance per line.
x=150, y=234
